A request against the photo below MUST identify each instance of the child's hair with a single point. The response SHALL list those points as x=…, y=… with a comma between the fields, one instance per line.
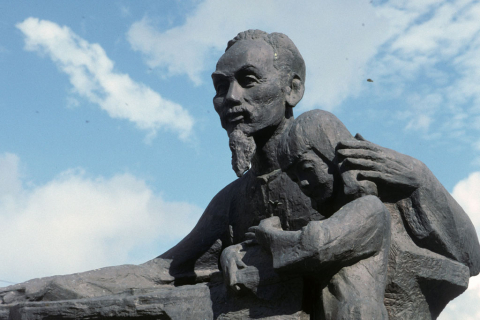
x=320, y=131
x=316, y=130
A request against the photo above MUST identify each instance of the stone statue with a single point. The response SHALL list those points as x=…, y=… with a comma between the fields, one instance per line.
x=319, y=224
x=347, y=263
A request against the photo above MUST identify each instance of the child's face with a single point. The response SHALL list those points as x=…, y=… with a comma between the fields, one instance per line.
x=313, y=176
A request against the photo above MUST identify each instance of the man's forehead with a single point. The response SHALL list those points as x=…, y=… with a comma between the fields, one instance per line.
x=258, y=54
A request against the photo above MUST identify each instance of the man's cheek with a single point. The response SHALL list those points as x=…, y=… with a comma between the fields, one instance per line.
x=217, y=104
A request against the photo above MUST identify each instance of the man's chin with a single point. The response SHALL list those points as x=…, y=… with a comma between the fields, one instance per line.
x=243, y=148
x=242, y=127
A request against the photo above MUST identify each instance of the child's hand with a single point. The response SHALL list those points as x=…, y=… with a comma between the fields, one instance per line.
x=263, y=233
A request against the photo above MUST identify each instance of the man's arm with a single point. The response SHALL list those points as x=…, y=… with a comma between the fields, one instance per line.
x=438, y=223
x=176, y=262
x=396, y=175
x=94, y=283
x=212, y=226
x=435, y=220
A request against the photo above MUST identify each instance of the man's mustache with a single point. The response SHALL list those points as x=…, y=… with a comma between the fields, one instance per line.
x=231, y=111
x=234, y=116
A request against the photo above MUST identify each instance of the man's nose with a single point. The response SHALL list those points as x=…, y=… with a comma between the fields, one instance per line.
x=234, y=93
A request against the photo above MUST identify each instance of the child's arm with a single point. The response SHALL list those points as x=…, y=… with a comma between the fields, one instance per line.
x=356, y=231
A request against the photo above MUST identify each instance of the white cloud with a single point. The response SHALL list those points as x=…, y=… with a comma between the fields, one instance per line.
x=442, y=35
x=422, y=109
x=410, y=48
x=76, y=223
x=124, y=11
x=92, y=76
x=434, y=51
x=419, y=122
x=467, y=193
x=465, y=307
x=336, y=39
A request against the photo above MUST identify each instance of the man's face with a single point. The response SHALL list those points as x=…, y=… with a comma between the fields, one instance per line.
x=249, y=88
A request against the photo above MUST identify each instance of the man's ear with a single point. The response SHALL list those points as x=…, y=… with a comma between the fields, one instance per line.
x=294, y=93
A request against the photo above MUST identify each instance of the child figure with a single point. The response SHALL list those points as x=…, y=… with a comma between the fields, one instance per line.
x=345, y=255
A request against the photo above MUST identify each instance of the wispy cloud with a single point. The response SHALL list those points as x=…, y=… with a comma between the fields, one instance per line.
x=336, y=39
x=411, y=49
x=467, y=192
x=433, y=51
x=76, y=223
x=93, y=77
x=124, y=11
x=421, y=112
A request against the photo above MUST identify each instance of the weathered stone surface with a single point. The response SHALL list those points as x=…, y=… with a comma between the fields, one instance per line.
x=421, y=282
x=322, y=225
x=200, y=301
x=186, y=302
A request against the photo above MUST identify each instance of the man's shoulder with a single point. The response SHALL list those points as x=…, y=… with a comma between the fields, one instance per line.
x=231, y=190
x=318, y=115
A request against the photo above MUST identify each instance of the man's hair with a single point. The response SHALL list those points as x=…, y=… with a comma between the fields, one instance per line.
x=316, y=130
x=286, y=58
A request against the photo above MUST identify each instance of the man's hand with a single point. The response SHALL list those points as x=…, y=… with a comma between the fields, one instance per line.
x=237, y=275
x=94, y=283
x=33, y=290
x=380, y=165
x=231, y=262
x=12, y=294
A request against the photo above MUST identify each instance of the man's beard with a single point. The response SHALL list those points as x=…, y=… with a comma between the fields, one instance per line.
x=243, y=148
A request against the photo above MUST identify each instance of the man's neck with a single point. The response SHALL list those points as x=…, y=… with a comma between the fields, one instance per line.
x=265, y=158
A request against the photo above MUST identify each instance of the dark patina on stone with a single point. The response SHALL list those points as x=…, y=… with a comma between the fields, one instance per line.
x=320, y=224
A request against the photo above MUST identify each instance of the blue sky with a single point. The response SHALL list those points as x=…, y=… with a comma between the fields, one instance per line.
x=109, y=145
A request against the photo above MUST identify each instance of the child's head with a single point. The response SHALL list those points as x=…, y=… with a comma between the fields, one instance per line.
x=307, y=154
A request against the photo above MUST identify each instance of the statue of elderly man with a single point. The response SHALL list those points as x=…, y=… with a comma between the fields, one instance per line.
x=258, y=81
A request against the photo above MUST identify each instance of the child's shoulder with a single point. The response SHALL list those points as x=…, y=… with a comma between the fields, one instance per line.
x=369, y=201
x=317, y=115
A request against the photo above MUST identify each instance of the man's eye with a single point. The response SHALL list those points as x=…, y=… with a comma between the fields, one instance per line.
x=221, y=88
x=248, y=80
